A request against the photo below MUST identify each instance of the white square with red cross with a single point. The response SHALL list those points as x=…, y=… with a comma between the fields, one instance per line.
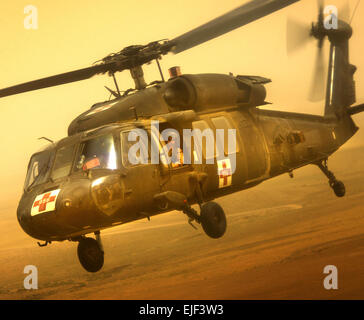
x=45, y=202
x=224, y=172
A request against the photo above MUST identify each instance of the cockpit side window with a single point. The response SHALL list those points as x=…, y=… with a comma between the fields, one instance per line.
x=63, y=162
x=135, y=147
x=97, y=153
x=38, y=168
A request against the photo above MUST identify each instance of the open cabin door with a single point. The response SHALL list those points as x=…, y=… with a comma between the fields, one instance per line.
x=177, y=169
x=141, y=179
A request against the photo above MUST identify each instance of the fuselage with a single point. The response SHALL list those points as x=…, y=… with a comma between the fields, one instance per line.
x=74, y=195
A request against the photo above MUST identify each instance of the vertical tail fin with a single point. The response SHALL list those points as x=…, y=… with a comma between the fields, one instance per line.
x=340, y=90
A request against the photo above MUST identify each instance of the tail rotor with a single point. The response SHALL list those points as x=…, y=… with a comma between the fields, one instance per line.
x=298, y=34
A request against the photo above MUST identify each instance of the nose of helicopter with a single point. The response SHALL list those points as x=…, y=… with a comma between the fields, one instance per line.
x=56, y=212
x=34, y=214
x=60, y=212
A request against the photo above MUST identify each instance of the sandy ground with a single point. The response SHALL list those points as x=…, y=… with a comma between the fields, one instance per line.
x=281, y=234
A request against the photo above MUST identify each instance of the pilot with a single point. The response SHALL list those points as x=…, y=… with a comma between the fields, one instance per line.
x=95, y=155
x=175, y=153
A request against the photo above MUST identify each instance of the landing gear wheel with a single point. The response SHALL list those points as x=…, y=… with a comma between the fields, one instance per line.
x=90, y=255
x=213, y=219
x=338, y=187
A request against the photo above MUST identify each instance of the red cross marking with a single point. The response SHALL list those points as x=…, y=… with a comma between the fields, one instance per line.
x=225, y=173
x=42, y=203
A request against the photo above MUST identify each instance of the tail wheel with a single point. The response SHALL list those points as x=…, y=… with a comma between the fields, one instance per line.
x=338, y=187
x=213, y=219
x=90, y=254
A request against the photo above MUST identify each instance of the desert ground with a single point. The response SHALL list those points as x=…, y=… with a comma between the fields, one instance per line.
x=280, y=236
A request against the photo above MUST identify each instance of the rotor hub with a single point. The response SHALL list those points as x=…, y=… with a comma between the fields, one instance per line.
x=342, y=32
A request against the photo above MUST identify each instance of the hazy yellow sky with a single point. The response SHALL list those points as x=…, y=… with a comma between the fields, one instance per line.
x=74, y=34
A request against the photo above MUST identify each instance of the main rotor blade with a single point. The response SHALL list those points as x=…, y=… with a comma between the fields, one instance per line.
x=317, y=90
x=56, y=80
x=249, y=12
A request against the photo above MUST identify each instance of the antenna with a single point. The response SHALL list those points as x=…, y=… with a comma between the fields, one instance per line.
x=45, y=138
x=135, y=112
x=112, y=92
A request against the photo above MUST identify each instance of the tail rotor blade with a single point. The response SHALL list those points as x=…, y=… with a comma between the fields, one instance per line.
x=320, y=5
x=298, y=34
x=344, y=12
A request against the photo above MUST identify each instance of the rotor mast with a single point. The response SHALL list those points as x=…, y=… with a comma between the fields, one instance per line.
x=138, y=77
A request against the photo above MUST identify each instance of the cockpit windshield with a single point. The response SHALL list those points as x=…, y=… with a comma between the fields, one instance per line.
x=38, y=169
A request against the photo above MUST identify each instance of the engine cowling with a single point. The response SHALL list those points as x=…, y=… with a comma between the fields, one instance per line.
x=206, y=91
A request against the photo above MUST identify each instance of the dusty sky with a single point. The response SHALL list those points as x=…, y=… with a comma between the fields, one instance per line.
x=74, y=34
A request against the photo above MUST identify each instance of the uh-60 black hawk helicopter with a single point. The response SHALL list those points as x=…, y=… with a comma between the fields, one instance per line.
x=85, y=182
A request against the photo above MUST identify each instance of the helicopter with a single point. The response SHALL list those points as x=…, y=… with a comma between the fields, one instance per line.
x=88, y=181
